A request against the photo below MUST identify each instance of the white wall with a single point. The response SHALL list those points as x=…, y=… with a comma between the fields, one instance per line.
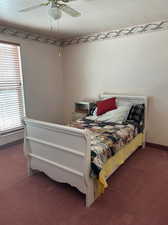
x=42, y=74
x=135, y=64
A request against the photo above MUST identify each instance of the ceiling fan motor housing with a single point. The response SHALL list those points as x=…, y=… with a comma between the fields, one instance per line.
x=55, y=12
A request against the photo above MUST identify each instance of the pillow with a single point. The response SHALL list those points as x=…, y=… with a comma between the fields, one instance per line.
x=106, y=105
x=137, y=113
x=121, y=101
x=117, y=115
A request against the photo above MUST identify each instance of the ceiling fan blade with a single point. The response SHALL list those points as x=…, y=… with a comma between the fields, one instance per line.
x=32, y=7
x=70, y=11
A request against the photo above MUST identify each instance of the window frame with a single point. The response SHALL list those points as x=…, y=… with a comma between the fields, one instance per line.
x=21, y=87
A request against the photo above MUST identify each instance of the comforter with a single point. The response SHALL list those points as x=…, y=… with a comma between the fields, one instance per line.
x=106, y=140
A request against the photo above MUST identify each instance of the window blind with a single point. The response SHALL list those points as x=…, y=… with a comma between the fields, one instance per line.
x=11, y=89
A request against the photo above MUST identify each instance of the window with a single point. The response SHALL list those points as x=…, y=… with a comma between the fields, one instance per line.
x=11, y=94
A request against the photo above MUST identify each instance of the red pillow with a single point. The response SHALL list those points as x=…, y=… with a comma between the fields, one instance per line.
x=106, y=105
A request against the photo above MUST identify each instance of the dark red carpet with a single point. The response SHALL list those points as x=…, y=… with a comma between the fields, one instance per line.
x=137, y=194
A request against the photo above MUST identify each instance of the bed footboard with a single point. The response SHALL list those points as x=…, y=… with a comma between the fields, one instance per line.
x=61, y=152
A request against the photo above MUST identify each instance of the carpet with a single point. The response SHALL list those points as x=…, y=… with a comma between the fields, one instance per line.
x=137, y=194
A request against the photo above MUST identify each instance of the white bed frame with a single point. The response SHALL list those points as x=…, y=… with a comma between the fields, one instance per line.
x=63, y=153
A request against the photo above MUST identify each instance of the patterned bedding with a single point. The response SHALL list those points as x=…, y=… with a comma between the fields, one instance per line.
x=106, y=140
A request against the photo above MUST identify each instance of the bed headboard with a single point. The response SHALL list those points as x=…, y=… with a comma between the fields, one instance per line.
x=134, y=99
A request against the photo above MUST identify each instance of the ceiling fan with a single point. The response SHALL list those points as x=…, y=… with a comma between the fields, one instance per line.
x=56, y=8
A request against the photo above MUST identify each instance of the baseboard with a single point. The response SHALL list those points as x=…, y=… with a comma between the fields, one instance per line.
x=11, y=137
x=11, y=144
x=161, y=147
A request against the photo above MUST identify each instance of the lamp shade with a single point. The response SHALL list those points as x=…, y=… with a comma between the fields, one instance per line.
x=55, y=13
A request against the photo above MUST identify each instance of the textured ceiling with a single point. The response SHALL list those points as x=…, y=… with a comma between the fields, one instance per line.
x=97, y=16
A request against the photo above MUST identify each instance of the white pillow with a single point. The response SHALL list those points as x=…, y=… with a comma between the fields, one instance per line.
x=123, y=102
x=116, y=115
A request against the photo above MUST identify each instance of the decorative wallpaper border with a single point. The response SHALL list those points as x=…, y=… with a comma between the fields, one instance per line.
x=137, y=29
x=28, y=35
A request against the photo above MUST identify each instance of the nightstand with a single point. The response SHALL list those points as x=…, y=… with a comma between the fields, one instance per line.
x=82, y=108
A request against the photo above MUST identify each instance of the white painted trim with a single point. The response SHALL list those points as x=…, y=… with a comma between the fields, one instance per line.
x=56, y=164
x=90, y=196
x=63, y=171
x=11, y=137
x=145, y=121
x=54, y=127
x=59, y=147
x=132, y=97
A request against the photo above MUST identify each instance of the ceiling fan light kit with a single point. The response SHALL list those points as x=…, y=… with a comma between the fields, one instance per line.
x=56, y=8
x=55, y=13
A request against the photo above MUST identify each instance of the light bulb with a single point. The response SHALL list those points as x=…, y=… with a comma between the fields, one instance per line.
x=55, y=13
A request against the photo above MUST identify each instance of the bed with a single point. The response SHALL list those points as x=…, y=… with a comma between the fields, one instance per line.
x=64, y=152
